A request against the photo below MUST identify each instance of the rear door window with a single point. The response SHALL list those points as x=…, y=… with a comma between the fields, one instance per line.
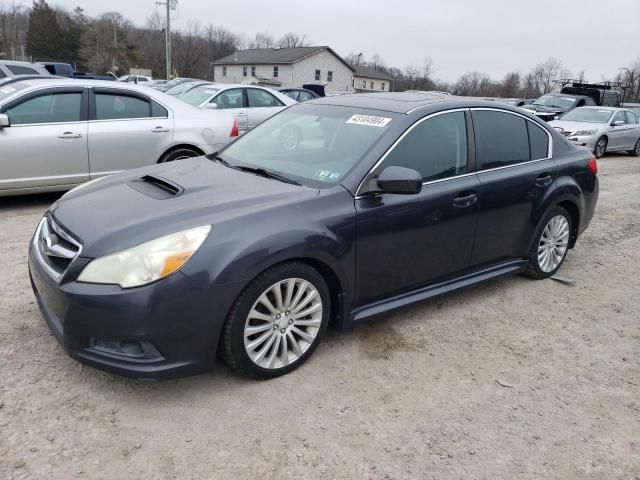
x=260, y=98
x=538, y=141
x=111, y=106
x=233, y=98
x=436, y=147
x=502, y=139
x=49, y=108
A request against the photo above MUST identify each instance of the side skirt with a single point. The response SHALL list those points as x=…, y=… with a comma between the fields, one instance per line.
x=425, y=293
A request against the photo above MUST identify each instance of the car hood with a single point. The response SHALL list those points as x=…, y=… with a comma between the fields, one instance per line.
x=544, y=108
x=575, y=126
x=133, y=207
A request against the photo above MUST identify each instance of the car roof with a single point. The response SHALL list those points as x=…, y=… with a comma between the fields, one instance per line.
x=406, y=102
x=610, y=109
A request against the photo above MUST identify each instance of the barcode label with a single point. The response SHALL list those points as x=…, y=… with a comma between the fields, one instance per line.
x=369, y=120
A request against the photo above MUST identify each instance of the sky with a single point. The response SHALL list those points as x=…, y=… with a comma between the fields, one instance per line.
x=490, y=36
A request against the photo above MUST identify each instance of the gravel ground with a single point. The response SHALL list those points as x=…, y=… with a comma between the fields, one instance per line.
x=514, y=379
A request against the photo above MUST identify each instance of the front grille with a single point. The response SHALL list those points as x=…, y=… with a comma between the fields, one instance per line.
x=56, y=247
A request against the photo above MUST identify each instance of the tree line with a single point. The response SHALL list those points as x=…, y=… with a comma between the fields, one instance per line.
x=97, y=44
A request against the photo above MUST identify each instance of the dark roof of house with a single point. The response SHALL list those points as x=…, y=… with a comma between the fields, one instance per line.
x=369, y=72
x=269, y=56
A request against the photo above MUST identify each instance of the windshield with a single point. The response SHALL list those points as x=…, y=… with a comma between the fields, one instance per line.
x=555, y=101
x=6, y=92
x=181, y=88
x=589, y=115
x=316, y=145
x=197, y=96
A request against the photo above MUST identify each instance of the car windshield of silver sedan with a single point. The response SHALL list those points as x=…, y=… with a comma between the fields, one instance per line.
x=198, y=95
x=555, y=101
x=589, y=115
x=315, y=145
x=9, y=90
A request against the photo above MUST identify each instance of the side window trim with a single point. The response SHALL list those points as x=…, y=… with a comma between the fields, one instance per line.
x=549, y=148
x=84, y=102
x=407, y=132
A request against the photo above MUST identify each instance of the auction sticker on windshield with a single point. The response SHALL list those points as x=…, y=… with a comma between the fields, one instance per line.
x=369, y=120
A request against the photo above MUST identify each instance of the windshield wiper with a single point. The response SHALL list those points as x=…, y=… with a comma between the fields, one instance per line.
x=262, y=172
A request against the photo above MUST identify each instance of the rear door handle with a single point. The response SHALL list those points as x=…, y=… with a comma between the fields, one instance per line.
x=160, y=130
x=465, y=201
x=241, y=114
x=544, y=180
x=69, y=135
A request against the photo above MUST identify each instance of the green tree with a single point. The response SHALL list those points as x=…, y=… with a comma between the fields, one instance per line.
x=44, y=34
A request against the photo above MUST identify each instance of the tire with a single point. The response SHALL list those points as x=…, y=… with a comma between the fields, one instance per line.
x=601, y=147
x=179, y=154
x=636, y=150
x=268, y=350
x=538, y=268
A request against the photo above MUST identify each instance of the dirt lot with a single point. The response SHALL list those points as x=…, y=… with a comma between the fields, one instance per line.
x=514, y=379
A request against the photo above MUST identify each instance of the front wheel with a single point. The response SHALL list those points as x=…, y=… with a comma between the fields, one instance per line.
x=551, y=245
x=277, y=321
x=636, y=150
x=179, y=154
x=601, y=147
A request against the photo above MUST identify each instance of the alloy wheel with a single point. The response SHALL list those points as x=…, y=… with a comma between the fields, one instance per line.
x=601, y=146
x=283, y=323
x=553, y=243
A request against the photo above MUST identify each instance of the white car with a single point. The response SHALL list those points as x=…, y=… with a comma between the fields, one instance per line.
x=58, y=133
x=249, y=104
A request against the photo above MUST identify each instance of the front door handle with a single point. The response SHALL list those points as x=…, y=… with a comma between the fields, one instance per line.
x=160, y=130
x=241, y=114
x=544, y=180
x=69, y=135
x=465, y=201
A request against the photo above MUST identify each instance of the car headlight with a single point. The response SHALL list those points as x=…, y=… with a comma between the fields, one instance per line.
x=584, y=133
x=147, y=262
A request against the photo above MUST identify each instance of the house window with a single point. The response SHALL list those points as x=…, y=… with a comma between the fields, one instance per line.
x=244, y=71
x=353, y=82
x=329, y=76
x=224, y=71
x=383, y=85
x=364, y=84
x=317, y=74
x=275, y=72
x=253, y=71
x=371, y=85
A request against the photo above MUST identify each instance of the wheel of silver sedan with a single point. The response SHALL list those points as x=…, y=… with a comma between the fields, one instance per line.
x=553, y=243
x=601, y=147
x=283, y=323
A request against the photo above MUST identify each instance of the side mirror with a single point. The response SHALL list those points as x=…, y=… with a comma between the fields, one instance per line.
x=4, y=121
x=618, y=123
x=400, y=180
x=211, y=106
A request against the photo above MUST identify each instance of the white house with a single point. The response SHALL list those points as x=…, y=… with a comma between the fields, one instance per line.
x=286, y=67
x=367, y=79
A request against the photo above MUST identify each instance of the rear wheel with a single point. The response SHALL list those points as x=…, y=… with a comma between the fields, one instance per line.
x=277, y=322
x=601, y=147
x=636, y=150
x=179, y=154
x=551, y=245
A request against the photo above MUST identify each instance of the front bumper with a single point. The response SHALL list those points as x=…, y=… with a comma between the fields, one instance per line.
x=585, y=141
x=176, y=321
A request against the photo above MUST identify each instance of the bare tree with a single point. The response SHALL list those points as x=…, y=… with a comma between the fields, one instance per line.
x=261, y=40
x=545, y=73
x=293, y=40
x=511, y=85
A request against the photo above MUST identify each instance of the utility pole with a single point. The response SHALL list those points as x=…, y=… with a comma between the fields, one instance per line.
x=171, y=5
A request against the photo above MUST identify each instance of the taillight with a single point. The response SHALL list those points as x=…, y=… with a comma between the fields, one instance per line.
x=592, y=165
x=234, y=129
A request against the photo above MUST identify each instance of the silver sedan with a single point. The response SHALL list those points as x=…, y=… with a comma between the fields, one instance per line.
x=58, y=133
x=249, y=104
x=601, y=129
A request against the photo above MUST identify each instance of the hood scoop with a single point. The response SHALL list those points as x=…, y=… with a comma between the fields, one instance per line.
x=156, y=187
